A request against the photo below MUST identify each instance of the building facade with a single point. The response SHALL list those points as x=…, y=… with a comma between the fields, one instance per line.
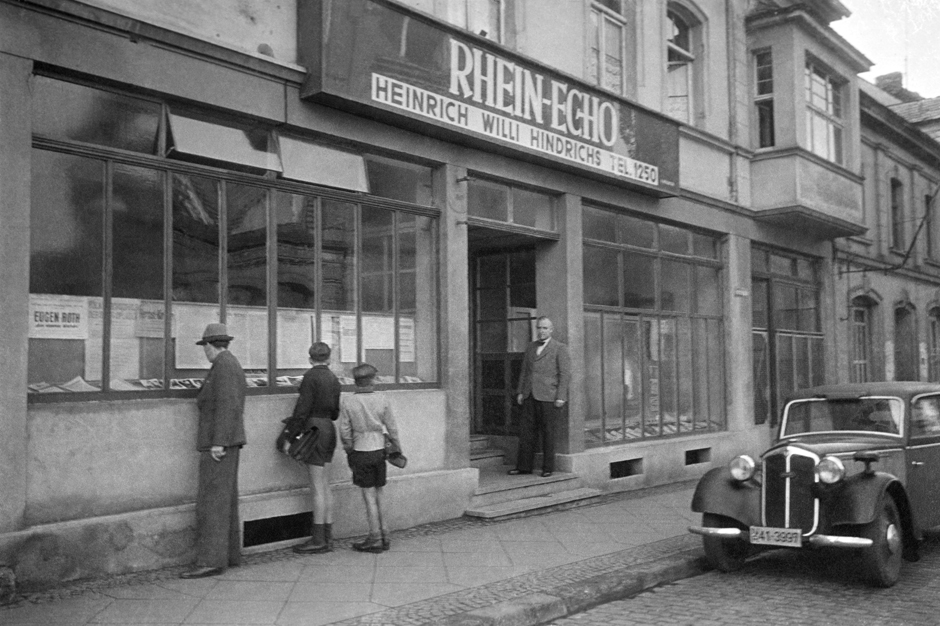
x=683, y=187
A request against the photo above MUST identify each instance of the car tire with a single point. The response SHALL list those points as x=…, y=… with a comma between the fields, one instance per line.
x=883, y=559
x=725, y=555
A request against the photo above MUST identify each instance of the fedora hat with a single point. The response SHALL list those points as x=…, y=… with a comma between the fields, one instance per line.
x=214, y=332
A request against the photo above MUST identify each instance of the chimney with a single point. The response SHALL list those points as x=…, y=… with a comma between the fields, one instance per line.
x=893, y=84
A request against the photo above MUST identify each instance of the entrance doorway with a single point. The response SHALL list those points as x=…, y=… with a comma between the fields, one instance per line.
x=503, y=320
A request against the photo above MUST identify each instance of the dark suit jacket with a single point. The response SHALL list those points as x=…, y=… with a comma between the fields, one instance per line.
x=545, y=376
x=319, y=395
x=221, y=403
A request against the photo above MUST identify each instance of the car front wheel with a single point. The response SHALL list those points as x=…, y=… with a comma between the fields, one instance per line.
x=883, y=558
x=725, y=555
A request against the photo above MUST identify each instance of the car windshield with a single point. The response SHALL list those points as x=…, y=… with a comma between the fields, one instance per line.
x=822, y=415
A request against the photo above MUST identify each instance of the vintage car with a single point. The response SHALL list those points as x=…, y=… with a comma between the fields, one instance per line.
x=854, y=467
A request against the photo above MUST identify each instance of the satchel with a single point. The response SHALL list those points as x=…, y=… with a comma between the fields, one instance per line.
x=393, y=453
x=302, y=444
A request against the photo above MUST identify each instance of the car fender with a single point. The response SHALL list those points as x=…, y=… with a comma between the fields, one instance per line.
x=857, y=501
x=718, y=493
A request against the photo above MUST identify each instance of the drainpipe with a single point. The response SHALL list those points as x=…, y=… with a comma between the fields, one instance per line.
x=732, y=100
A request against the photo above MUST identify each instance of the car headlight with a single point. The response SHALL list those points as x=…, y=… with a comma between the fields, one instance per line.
x=742, y=468
x=830, y=470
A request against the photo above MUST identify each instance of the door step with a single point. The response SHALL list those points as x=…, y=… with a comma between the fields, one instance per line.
x=530, y=504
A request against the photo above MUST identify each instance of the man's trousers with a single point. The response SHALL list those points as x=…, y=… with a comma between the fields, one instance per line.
x=218, y=532
x=538, y=421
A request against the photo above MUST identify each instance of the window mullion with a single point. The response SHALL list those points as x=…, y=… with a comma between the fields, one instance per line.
x=108, y=271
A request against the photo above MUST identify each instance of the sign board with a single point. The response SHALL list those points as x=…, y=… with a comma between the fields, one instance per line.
x=379, y=58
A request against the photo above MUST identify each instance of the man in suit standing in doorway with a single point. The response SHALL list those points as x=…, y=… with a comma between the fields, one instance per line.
x=543, y=393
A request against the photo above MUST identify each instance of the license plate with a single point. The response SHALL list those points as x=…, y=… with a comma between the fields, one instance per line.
x=786, y=537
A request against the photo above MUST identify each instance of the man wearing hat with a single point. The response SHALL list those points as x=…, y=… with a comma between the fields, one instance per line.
x=221, y=434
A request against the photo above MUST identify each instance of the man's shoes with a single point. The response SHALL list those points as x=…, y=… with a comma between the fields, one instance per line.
x=546, y=474
x=312, y=548
x=516, y=472
x=202, y=572
x=371, y=544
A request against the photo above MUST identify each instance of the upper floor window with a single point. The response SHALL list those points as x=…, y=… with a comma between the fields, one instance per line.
x=824, y=123
x=764, y=98
x=930, y=237
x=861, y=323
x=486, y=18
x=606, y=59
x=897, y=214
x=680, y=66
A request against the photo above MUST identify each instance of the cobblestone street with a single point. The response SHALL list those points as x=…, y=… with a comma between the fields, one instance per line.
x=780, y=588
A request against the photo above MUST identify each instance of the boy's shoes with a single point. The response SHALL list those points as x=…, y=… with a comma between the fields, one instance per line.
x=312, y=548
x=516, y=472
x=371, y=544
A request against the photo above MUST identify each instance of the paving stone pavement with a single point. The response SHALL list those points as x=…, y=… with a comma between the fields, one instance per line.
x=782, y=588
x=463, y=572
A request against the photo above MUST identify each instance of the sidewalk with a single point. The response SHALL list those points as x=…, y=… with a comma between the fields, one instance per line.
x=462, y=572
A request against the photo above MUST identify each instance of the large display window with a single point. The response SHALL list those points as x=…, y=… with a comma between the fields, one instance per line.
x=654, y=349
x=133, y=254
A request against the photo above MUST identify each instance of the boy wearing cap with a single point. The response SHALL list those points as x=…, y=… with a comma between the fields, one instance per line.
x=365, y=417
x=316, y=409
x=221, y=434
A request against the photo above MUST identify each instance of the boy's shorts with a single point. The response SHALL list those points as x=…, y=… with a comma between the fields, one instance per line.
x=368, y=468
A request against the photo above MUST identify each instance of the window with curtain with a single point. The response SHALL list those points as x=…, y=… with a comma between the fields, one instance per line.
x=487, y=18
x=133, y=253
x=654, y=353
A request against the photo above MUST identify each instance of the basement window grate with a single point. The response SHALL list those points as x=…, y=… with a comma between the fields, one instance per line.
x=629, y=467
x=273, y=529
x=700, y=455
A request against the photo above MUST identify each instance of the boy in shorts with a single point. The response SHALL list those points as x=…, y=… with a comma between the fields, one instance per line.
x=364, y=418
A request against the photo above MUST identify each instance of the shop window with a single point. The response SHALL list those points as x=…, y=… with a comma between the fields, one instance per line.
x=607, y=45
x=764, y=98
x=788, y=341
x=897, y=215
x=682, y=66
x=106, y=317
x=507, y=203
x=653, y=347
x=824, y=122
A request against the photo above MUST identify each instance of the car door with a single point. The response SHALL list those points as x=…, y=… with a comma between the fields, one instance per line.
x=923, y=460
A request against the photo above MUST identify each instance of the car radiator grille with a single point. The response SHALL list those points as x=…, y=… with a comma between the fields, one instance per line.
x=788, y=490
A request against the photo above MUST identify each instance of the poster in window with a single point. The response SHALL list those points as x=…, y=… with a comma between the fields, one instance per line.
x=348, y=343
x=330, y=334
x=125, y=345
x=150, y=319
x=295, y=333
x=378, y=332
x=406, y=340
x=249, y=326
x=189, y=320
x=57, y=317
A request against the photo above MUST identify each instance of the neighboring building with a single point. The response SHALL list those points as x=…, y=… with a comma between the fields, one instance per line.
x=413, y=183
x=888, y=280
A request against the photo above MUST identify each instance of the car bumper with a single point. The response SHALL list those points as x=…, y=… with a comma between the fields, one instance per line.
x=816, y=541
